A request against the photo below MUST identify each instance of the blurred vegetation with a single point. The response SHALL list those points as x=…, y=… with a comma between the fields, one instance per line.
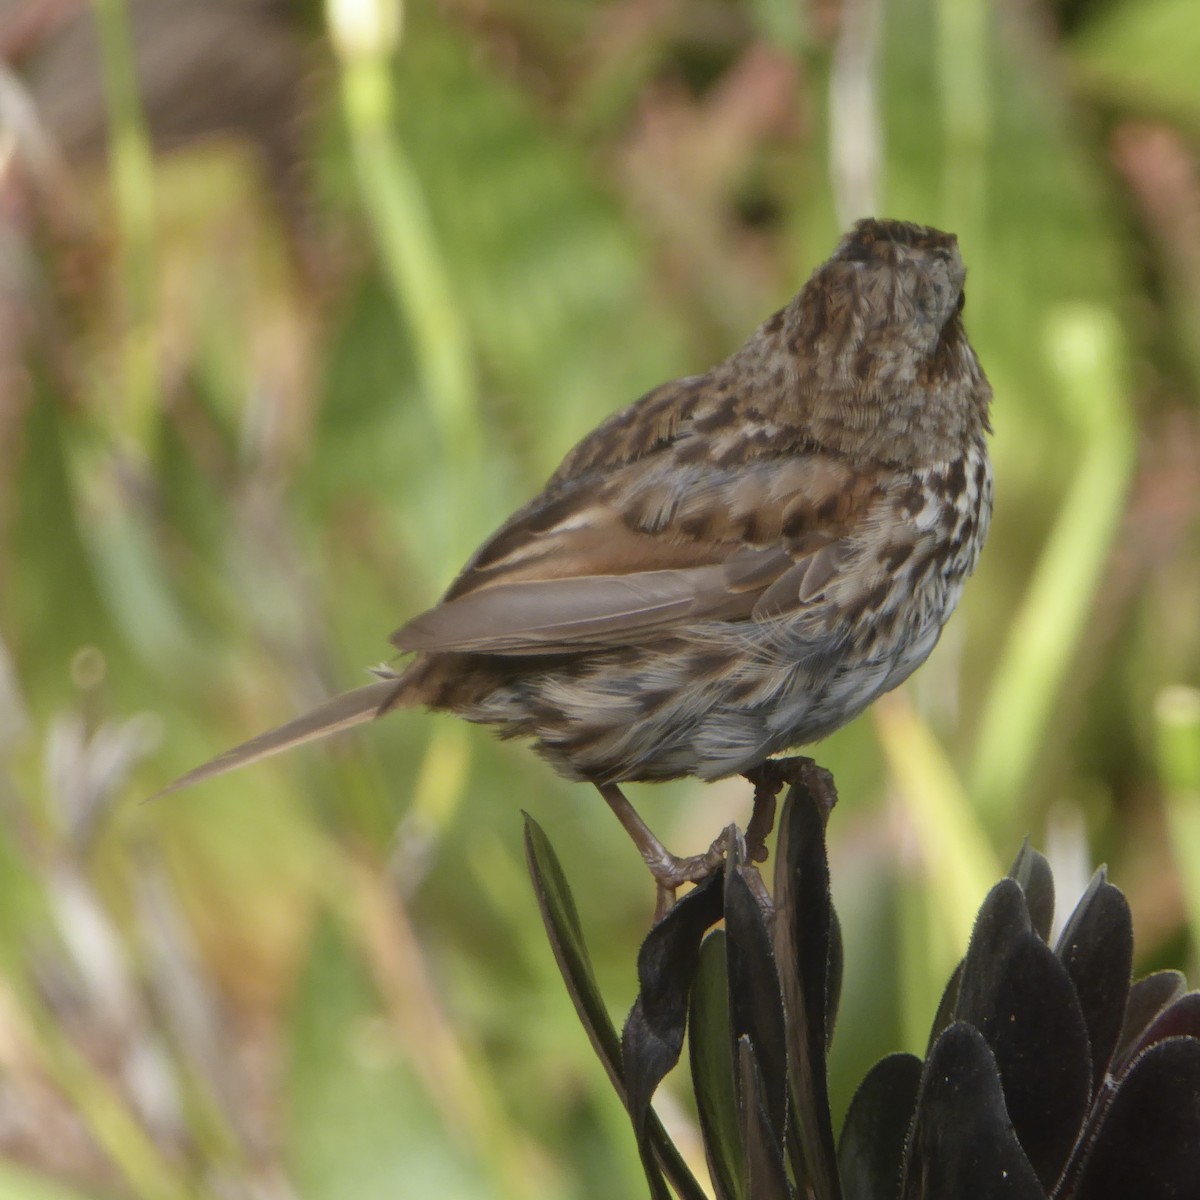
x=297, y=301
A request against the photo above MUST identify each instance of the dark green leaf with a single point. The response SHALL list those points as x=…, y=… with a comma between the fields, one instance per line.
x=1031, y=870
x=653, y=1035
x=561, y=919
x=962, y=1144
x=1002, y=921
x=871, y=1148
x=710, y=1048
x=563, y=929
x=947, y=1006
x=755, y=1003
x=803, y=941
x=1147, y=998
x=766, y=1173
x=1149, y=1144
x=1096, y=948
x=1179, y=1019
x=837, y=965
x=1018, y=995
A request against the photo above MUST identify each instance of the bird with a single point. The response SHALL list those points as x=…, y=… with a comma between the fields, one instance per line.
x=733, y=566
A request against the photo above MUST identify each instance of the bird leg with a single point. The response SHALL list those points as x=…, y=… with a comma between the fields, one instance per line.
x=769, y=778
x=669, y=870
x=767, y=785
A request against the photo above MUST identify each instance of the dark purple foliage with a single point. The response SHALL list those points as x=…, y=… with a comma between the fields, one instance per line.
x=1047, y=1077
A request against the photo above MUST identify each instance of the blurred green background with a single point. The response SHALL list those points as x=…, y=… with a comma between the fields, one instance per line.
x=297, y=301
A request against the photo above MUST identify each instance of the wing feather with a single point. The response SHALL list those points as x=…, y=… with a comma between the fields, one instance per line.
x=581, y=570
x=551, y=616
x=341, y=712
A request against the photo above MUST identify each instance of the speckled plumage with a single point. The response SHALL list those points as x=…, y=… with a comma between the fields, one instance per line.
x=739, y=562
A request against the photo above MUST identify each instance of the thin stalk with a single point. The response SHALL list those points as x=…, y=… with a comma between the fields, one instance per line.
x=131, y=168
x=953, y=845
x=1084, y=345
x=963, y=73
x=366, y=34
x=103, y=1111
x=413, y=265
x=1177, y=714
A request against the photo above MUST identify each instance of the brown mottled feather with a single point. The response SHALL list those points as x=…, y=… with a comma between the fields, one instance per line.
x=742, y=560
x=583, y=580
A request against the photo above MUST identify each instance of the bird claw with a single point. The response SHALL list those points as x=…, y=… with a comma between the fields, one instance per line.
x=772, y=776
x=671, y=872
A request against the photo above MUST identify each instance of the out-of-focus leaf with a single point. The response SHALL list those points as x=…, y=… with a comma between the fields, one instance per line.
x=803, y=954
x=1143, y=54
x=1177, y=728
x=547, y=267
x=1017, y=186
x=360, y=1121
x=16, y=1184
x=962, y=1141
x=755, y=1003
x=1149, y=1143
x=1147, y=998
x=54, y=603
x=958, y=859
x=1018, y=995
x=561, y=919
x=1096, y=947
x=1086, y=346
x=710, y=1050
x=766, y=1173
x=1032, y=871
x=871, y=1148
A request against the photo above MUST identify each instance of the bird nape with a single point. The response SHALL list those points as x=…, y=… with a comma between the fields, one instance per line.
x=736, y=564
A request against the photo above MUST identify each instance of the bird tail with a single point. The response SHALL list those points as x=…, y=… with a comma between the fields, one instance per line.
x=341, y=712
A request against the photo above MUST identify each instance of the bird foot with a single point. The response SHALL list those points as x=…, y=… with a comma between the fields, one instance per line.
x=671, y=872
x=769, y=779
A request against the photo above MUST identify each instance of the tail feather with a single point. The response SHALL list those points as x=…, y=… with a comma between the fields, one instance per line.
x=341, y=712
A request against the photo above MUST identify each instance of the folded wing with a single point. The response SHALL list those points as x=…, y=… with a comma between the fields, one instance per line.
x=592, y=578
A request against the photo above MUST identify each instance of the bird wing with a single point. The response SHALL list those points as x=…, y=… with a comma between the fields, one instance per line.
x=550, y=616
x=625, y=559
x=642, y=428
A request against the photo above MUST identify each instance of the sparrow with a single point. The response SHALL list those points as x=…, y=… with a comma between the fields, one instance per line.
x=734, y=565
